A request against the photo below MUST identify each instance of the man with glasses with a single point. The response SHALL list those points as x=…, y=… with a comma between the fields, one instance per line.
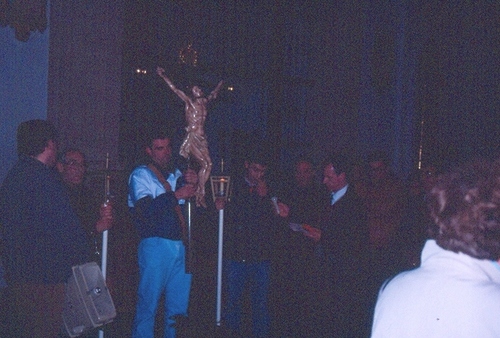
x=94, y=215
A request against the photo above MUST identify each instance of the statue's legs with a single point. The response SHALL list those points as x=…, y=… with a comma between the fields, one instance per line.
x=203, y=175
x=184, y=151
x=198, y=148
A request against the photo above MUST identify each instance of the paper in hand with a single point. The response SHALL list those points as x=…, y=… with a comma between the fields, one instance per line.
x=296, y=227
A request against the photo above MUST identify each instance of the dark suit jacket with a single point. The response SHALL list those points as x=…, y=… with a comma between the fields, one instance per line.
x=345, y=237
x=250, y=225
x=344, y=241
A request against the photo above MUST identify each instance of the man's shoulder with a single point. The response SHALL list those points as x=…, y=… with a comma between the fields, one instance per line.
x=141, y=175
x=352, y=200
x=141, y=170
x=28, y=170
x=140, y=167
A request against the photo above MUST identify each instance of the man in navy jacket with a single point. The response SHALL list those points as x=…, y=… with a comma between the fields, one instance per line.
x=43, y=237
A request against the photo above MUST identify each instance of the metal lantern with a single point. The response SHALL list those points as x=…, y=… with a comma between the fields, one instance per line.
x=220, y=187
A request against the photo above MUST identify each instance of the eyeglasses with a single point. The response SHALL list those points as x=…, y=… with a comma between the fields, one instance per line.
x=74, y=163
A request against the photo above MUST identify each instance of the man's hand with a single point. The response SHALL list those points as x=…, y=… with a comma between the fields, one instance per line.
x=312, y=232
x=284, y=209
x=220, y=203
x=190, y=176
x=106, y=220
x=185, y=192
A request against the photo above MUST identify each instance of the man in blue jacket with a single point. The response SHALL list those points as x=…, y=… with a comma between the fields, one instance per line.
x=154, y=197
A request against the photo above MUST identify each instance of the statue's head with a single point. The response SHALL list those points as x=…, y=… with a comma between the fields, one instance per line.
x=197, y=92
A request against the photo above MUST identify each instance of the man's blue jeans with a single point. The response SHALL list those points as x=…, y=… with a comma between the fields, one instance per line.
x=162, y=270
x=256, y=276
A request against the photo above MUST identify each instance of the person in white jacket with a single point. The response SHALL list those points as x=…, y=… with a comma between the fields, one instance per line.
x=456, y=290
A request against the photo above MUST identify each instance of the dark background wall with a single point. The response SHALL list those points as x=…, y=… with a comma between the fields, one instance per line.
x=315, y=77
x=308, y=77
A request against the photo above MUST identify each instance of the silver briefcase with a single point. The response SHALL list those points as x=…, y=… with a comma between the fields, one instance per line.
x=88, y=302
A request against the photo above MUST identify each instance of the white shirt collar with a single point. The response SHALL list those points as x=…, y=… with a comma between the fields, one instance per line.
x=172, y=178
x=338, y=194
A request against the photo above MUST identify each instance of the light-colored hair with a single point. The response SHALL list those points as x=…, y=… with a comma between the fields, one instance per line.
x=465, y=206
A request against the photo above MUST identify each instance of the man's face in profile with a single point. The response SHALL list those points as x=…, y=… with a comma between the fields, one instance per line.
x=333, y=181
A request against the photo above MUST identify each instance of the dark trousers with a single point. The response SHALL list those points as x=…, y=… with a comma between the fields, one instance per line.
x=255, y=275
x=36, y=309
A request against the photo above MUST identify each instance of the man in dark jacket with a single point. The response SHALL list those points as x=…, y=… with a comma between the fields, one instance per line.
x=249, y=240
x=344, y=238
x=94, y=215
x=43, y=237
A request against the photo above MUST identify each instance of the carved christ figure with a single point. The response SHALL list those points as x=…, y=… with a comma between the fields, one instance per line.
x=195, y=142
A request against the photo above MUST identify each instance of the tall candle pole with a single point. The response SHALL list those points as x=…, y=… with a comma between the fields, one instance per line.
x=421, y=145
x=219, y=267
x=104, y=252
x=104, y=258
x=220, y=190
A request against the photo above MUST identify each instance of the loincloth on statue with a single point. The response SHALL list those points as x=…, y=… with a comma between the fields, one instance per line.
x=194, y=141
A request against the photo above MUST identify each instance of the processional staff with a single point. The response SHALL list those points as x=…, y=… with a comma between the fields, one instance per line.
x=221, y=189
x=104, y=252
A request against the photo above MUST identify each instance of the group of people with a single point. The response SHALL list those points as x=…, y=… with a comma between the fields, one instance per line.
x=337, y=253
x=307, y=254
